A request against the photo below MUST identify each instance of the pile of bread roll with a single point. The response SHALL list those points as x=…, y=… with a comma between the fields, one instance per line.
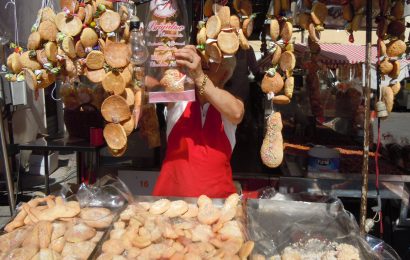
x=390, y=30
x=167, y=229
x=51, y=228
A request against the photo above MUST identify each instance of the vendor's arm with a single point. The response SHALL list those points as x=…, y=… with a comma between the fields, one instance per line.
x=228, y=105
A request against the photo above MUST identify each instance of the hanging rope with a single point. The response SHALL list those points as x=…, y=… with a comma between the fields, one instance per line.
x=376, y=158
x=16, y=31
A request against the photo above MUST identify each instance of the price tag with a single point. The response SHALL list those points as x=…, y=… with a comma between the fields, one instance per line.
x=139, y=182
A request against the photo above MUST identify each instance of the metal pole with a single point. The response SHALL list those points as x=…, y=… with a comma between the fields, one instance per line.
x=365, y=166
x=10, y=182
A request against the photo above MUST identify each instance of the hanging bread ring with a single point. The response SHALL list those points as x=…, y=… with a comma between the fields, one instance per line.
x=246, y=8
x=214, y=52
x=69, y=26
x=126, y=33
x=213, y=27
x=228, y=42
x=124, y=14
x=304, y=20
x=208, y=12
x=110, y=21
x=101, y=44
x=88, y=14
x=51, y=51
x=29, y=63
x=236, y=4
x=115, y=109
x=129, y=125
x=48, y=31
x=289, y=86
x=383, y=48
x=95, y=60
x=41, y=57
x=395, y=72
x=70, y=67
x=118, y=153
x=247, y=27
x=388, y=97
x=70, y=5
x=127, y=73
x=314, y=47
x=108, y=3
x=81, y=13
x=115, y=136
x=272, y=84
x=319, y=13
x=129, y=96
x=235, y=22
x=396, y=28
x=280, y=100
x=201, y=36
x=34, y=41
x=314, y=35
x=274, y=29
x=224, y=14
x=95, y=76
x=287, y=61
x=30, y=78
x=385, y=66
x=80, y=50
x=397, y=11
x=276, y=55
x=89, y=37
x=216, y=7
x=286, y=33
x=68, y=47
x=113, y=82
x=46, y=14
x=46, y=79
x=117, y=55
x=395, y=86
x=347, y=10
x=243, y=42
x=396, y=48
x=13, y=63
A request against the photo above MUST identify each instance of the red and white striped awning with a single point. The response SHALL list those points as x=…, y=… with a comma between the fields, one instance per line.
x=342, y=54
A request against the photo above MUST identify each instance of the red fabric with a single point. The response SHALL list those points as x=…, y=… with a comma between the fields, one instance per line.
x=198, y=158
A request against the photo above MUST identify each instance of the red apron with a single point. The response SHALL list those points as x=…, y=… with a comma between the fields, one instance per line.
x=197, y=160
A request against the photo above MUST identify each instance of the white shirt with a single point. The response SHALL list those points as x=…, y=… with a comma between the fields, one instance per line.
x=173, y=114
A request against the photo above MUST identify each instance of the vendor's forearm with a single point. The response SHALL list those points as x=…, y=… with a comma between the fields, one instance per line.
x=228, y=105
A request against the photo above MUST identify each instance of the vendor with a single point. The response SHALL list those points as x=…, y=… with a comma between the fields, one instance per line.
x=201, y=134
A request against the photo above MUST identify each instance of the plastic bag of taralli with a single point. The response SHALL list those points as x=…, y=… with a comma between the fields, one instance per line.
x=304, y=226
x=166, y=31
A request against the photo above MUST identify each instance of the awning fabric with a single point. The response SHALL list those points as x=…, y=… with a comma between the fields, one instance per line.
x=341, y=54
x=334, y=55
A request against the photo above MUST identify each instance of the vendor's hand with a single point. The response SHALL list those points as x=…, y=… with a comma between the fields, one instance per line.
x=188, y=58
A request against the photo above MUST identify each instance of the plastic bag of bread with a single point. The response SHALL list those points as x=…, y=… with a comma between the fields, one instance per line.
x=165, y=32
x=162, y=228
x=66, y=224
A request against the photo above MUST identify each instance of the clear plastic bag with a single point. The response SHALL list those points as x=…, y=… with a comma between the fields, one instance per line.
x=165, y=32
x=281, y=220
